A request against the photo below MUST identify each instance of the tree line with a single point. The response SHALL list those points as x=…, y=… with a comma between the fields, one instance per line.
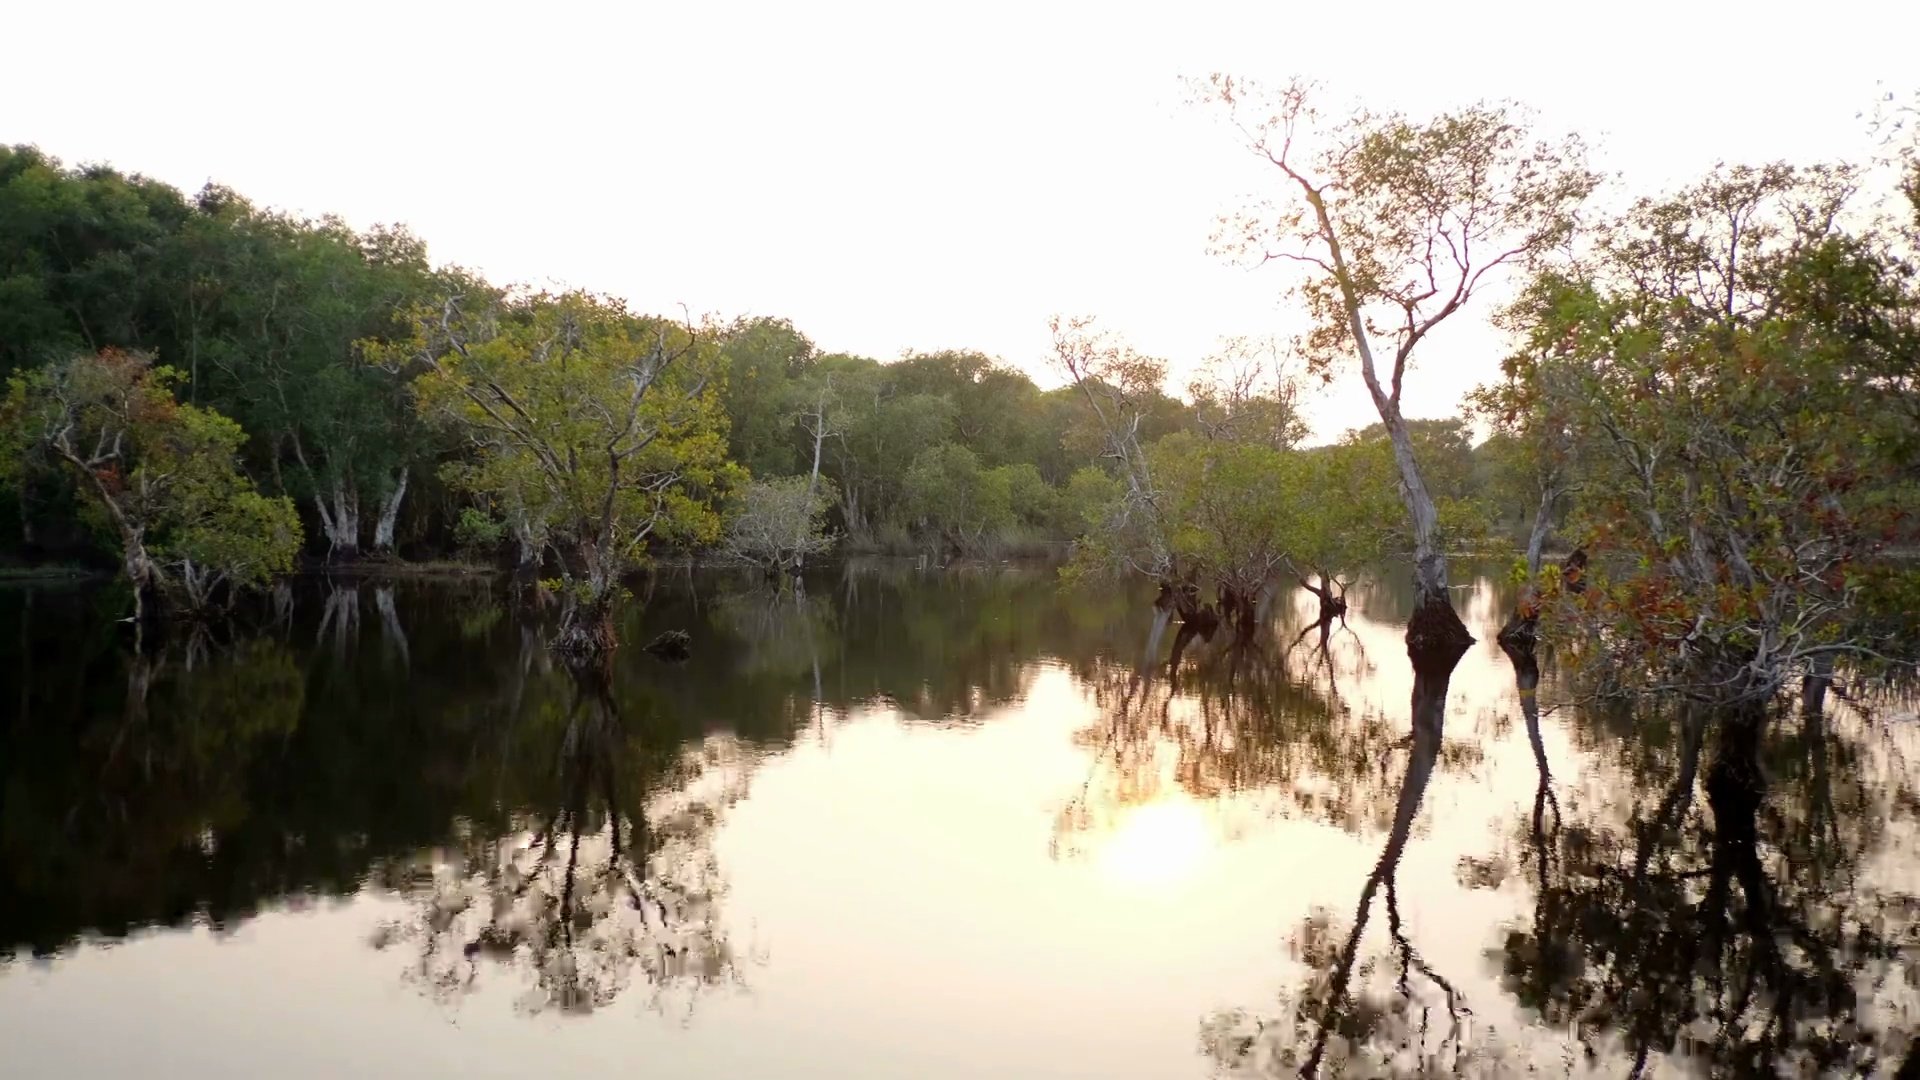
x=1713, y=389
x=208, y=391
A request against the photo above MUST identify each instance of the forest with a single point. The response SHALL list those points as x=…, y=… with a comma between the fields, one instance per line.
x=1707, y=398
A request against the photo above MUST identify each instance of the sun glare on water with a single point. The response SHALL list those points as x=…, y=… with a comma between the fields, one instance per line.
x=1159, y=845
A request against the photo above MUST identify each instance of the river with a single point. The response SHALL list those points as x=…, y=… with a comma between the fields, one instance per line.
x=919, y=824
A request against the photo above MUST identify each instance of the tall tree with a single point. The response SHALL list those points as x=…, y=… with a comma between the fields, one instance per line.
x=80, y=249
x=1120, y=387
x=1398, y=224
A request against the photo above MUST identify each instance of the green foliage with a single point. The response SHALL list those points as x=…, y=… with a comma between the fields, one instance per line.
x=1232, y=507
x=478, y=531
x=78, y=251
x=1089, y=495
x=1029, y=500
x=260, y=312
x=765, y=358
x=590, y=427
x=949, y=494
x=1741, y=369
x=162, y=476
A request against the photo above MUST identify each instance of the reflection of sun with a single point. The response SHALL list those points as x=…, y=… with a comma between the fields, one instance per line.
x=1158, y=844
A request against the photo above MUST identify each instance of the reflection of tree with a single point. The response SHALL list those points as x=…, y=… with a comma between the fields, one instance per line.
x=607, y=889
x=1392, y=1013
x=114, y=809
x=940, y=647
x=1744, y=934
x=292, y=764
x=784, y=634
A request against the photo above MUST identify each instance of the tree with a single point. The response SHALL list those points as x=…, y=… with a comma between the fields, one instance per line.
x=1398, y=224
x=1532, y=450
x=162, y=475
x=1119, y=386
x=764, y=358
x=821, y=417
x=1346, y=521
x=1737, y=367
x=80, y=249
x=1246, y=394
x=948, y=492
x=1232, y=510
x=274, y=312
x=595, y=427
x=885, y=431
x=780, y=522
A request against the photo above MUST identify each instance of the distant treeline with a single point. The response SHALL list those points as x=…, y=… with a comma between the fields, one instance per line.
x=281, y=323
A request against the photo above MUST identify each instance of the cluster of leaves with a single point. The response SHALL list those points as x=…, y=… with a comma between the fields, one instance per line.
x=586, y=427
x=1728, y=380
x=160, y=477
x=258, y=311
x=1236, y=511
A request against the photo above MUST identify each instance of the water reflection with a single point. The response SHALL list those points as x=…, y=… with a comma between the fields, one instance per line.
x=356, y=725
x=943, y=824
x=607, y=888
x=1742, y=936
x=1392, y=1012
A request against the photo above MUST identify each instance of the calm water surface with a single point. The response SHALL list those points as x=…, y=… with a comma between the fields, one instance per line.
x=918, y=825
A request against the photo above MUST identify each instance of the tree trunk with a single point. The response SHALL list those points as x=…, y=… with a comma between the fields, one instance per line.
x=1332, y=606
x=526, y=558
x=199, y=585
x=586, y=623
x=586, y=631
x=1162, y=615
x=813, y=486
x=142, y=572
x=389, y=515
x=1436, y=638
x=1522, y=627
x=342, y=526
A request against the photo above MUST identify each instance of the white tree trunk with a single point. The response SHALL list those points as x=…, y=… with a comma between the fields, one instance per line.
x=1429, y=562
x=1542, y=524
x=527, y=548
x=342, y=526
x=389, y=515
x=805, y=524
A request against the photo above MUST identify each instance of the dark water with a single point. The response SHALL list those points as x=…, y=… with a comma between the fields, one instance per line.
x=927, y=825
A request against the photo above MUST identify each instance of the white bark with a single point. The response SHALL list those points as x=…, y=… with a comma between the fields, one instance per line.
x=1430, y=564
x=342, y=526
x=389, y=515
x=805, y=524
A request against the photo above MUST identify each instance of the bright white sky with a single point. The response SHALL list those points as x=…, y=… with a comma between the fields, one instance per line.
x=896, y=176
